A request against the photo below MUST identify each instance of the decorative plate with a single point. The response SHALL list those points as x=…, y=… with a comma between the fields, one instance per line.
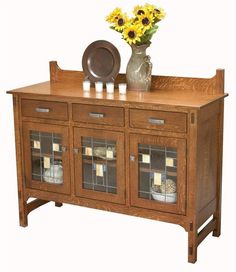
x=101, y=62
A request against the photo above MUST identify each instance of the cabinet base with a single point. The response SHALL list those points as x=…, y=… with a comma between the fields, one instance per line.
x=194, y=237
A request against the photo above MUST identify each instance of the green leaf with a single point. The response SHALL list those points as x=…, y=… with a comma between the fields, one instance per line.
x=155, y=26
x=152, y=31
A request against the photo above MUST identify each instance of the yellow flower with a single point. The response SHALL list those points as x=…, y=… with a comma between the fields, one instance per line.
x=139, y=10
x=159, y=14
x=150, y=7
x=146, y=21
x=121, y=21
x=113, y=16
x=132, y=33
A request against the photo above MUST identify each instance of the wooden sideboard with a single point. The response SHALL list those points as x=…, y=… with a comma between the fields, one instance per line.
x=153, y=154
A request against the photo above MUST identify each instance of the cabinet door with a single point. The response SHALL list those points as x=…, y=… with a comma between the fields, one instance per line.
x=99, y=164
x=46, y=157
x=158, y=173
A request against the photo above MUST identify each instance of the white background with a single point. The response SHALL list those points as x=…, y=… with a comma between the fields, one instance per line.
x=195, y=38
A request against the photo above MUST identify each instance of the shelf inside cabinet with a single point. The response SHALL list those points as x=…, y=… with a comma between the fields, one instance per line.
x=41, y=155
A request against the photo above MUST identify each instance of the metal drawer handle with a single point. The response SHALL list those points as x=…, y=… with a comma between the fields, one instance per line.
x=156, y=121
x=42, y=110
x=96, y=115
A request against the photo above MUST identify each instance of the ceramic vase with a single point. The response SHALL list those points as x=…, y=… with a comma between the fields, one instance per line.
x=139, y=69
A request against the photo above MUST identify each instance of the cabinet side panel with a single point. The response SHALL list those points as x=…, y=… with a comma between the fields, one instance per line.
x=207, y=150
x=20, y=175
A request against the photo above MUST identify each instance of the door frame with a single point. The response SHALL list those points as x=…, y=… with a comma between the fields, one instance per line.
x=180, y=206
x=63, y=188
x=119, y=197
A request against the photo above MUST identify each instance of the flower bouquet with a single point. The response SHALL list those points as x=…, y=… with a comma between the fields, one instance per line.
x=140, y=28
x=137, y=31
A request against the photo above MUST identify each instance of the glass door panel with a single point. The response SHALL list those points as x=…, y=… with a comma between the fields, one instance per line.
x=46, y=157
x=158, y=173
x=99, y=164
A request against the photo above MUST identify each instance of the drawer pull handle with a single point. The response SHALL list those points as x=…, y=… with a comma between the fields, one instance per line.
x=96, y=115
x=156, y=121
x=44, y=110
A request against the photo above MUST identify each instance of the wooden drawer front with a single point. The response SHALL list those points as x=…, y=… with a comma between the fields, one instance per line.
x=160, y=120
x=98, y=114
x=44, y=109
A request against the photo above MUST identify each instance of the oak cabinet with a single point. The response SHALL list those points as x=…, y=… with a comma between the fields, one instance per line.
x=156, y=155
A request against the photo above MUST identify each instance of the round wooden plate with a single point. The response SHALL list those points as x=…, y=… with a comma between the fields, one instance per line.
x=101, y=61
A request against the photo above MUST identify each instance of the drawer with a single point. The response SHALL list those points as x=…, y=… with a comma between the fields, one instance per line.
x=98, y=114
x=159, y=120
x=44, y=109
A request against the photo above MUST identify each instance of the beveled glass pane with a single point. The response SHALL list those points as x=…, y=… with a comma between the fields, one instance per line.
x=46, y=157
x=99, y=165
x=157, y=173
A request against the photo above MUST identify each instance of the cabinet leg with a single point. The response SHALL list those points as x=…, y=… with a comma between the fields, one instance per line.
x=217, y=230
x=58, y=204
x=217, y=214
x=192, y=246
x=23, y=214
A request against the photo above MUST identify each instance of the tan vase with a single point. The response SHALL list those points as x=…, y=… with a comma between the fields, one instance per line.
x=139, y=69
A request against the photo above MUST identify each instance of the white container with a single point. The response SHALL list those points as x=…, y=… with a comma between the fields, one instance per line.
x=122, y=88
x=99, y=95
x=99, y=86
x=110, y=87
x=54, y=174
x=86, y=85
x=168, y=198
x=86, y=94
x=110, y=95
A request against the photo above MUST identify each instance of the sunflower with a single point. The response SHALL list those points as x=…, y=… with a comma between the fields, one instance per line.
x=146, y=21
x=150, y=7
x=139, y=10
x=132, y=33
x=120, y=22
x=113, y=16
x=159, y=14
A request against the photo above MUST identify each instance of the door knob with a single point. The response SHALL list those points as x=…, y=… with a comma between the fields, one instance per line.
x=76, y=150
x=63, y=148
x=132, y=158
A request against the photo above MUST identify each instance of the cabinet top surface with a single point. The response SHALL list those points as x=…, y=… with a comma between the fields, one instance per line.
x=158, y=97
